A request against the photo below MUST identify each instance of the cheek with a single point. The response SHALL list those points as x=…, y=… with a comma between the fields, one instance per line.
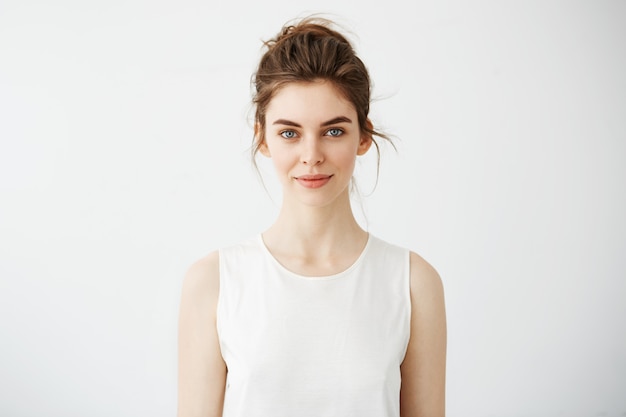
x=283, y=163
x=346, y=159
x=281, y=167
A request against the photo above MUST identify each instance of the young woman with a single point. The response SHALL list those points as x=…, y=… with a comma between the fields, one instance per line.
x=315, y=316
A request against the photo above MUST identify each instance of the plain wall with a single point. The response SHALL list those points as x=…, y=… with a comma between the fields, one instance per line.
x=124, y=135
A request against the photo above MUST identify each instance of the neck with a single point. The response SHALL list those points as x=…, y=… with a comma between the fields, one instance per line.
x=321, y=230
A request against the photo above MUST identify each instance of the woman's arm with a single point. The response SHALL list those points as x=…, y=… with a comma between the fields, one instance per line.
x=201, y=369
x=424, y=367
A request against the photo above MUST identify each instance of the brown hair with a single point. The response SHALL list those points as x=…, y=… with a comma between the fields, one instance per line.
x=307, y=51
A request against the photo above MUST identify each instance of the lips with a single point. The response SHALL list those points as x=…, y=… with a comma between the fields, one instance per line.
x=313, y=180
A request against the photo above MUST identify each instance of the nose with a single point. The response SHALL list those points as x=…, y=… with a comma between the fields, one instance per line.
x=311, y=152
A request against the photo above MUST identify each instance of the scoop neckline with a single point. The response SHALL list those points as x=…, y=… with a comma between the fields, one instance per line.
x=337, y=275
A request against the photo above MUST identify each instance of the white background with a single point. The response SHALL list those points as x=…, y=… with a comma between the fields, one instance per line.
x=124, y=136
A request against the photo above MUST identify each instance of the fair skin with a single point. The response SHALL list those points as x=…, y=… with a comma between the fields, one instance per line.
x=313, y=139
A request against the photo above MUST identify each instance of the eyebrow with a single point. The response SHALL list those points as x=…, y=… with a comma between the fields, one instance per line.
x=340, y=119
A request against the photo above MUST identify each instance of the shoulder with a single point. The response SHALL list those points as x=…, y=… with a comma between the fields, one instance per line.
x=201, y=281
x=203, y=270
x=426, y=292
x=424, y=278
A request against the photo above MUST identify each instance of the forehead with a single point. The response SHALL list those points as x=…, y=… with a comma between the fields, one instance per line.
x=311, y=101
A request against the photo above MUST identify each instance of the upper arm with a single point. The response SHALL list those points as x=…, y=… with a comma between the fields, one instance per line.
x=424, y=366
x=201, y=369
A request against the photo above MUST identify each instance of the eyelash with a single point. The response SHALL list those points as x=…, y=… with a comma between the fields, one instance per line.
x=286, y=132
x=339, y=133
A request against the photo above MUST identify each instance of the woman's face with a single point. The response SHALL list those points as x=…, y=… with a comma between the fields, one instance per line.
x=313, y=137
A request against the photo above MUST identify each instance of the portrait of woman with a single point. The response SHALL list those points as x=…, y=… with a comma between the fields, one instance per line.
x=296, y=209
x=314, y=316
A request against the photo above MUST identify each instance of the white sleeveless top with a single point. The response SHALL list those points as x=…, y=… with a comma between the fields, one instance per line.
x=299, y=346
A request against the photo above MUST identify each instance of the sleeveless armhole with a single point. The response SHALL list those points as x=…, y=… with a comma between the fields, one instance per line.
x=407, y=285
x=220, y=296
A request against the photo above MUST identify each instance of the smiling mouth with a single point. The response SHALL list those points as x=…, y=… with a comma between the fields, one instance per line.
x=313, y=181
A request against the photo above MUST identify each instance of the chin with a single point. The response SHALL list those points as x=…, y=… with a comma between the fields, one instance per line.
x=321, y=199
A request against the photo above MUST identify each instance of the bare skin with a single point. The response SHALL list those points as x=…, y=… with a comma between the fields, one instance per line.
x=315, y=234
x=424, y=367
x=201, y=369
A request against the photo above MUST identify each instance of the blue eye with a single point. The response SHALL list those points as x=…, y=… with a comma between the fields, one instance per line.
x=334, y=132
x=288, y=134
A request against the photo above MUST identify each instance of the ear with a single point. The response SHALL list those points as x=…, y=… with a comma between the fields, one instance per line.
x=366, y=139
x=261, y=144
